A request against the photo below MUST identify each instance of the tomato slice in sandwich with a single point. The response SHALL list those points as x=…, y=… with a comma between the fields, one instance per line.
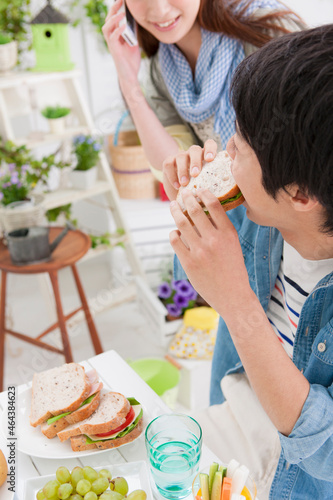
x=129, y=418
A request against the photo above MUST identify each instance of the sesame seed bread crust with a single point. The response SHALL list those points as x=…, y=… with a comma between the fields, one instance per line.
x=57, y=391
x=233, y=204
x=110, y=414
x=71, y=430
x=78, y=443
x=215, y=176
x=85, y=411
x=50, y=431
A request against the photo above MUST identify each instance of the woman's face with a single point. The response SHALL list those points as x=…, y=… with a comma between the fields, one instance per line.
x=168, y=20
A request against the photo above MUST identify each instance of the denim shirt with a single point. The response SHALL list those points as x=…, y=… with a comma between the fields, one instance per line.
x=305, y=467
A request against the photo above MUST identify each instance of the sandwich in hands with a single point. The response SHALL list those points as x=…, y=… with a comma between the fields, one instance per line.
x=215, y=176
x=117, y=421
x=63, y=396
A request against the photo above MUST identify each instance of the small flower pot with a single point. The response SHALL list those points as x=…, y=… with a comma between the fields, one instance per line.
x=169, y=317
x=83, y=179
x=57, y=125
x=8, y=56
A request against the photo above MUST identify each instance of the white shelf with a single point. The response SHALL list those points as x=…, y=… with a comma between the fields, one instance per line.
x=66, y=196
x=16, y=79
x=102, y=249
x=67, y=83
x=39, y=138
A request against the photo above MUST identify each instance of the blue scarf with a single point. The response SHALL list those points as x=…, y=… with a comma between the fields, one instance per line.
x=208, y=93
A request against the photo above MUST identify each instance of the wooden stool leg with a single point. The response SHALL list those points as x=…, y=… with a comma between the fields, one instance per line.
x=90, y=322
x=61, y=317
x=2, y=326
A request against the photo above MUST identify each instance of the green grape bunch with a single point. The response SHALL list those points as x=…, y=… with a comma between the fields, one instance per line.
x=85, y=483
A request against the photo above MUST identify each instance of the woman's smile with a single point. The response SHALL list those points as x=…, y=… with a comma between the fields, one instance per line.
x=167, y=25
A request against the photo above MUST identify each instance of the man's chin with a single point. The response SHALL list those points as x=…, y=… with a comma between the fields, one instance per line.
x=249, y=213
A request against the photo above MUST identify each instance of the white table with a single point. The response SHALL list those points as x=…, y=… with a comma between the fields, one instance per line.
x=117, y=374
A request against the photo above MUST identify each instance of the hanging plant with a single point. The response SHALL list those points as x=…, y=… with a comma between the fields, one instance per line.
x=97, y=11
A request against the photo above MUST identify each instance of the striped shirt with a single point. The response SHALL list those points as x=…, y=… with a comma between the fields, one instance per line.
x=296, y=279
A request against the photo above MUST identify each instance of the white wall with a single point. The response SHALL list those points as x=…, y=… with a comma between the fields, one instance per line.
x=314, y=12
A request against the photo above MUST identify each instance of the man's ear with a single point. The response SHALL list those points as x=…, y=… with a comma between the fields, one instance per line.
x=301, y=201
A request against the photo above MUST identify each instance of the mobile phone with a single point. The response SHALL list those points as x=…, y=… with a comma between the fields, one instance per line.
x=129, y=33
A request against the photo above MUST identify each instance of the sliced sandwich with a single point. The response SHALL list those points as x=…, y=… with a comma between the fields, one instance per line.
x=117, y=420
x=63, y=396
x=216, y=176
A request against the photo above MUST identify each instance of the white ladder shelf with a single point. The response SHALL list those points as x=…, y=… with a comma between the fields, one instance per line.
x=17, y=86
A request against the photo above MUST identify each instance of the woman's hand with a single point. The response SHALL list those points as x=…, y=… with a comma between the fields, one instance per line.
x=127, y=59
x=210, y=253
x=178, y=169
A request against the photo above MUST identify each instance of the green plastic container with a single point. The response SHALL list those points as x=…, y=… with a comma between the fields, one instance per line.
x=161, y=376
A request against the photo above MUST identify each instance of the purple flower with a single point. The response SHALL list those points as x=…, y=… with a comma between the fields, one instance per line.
x=79, y=139
x=164, y=290
x=180, y=300
x=173, y=310
x=11, y=167
x=14, y=178
x=183, y=287
x=24, y=168
x=97, y=147
x=1, y=195
x=193, y=296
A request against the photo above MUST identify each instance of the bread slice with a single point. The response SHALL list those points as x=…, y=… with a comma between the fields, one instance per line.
x=110, y=414
x=57, y=391
x=79, y=443
x=68, y=432
x=215, y=176
x=50, y=431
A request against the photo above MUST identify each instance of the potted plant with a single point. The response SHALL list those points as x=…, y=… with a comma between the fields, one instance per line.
x=86, y=150
x=56, y=118
x=14, y=22
x=20, y=173
x=177, y=296
x=8, y=53
x=18, y=208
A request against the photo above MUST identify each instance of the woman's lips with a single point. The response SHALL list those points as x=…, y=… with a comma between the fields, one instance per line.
x=167, y=26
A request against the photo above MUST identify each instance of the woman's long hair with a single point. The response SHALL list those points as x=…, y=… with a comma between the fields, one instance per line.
x=219, y=16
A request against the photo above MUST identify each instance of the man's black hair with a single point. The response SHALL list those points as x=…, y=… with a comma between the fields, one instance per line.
x=283, y=98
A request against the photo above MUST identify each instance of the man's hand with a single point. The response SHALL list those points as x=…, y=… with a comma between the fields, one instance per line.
x=178, y=169
x=210, y=252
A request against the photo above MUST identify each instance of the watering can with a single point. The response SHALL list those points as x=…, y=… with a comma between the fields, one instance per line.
x=31, y=245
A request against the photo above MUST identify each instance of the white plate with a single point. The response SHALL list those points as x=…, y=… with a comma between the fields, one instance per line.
x=135, y=473
x=32, y=442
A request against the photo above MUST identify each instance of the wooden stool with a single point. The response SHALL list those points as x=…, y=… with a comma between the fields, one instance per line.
x=73, y=247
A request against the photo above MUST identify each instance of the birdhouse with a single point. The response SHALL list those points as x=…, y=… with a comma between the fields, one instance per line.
x=51, y=40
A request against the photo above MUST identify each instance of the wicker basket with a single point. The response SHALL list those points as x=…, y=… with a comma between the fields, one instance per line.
x=23, y=215
x=130, y=167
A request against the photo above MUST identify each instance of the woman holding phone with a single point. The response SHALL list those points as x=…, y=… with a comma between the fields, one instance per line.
x=194, y=46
